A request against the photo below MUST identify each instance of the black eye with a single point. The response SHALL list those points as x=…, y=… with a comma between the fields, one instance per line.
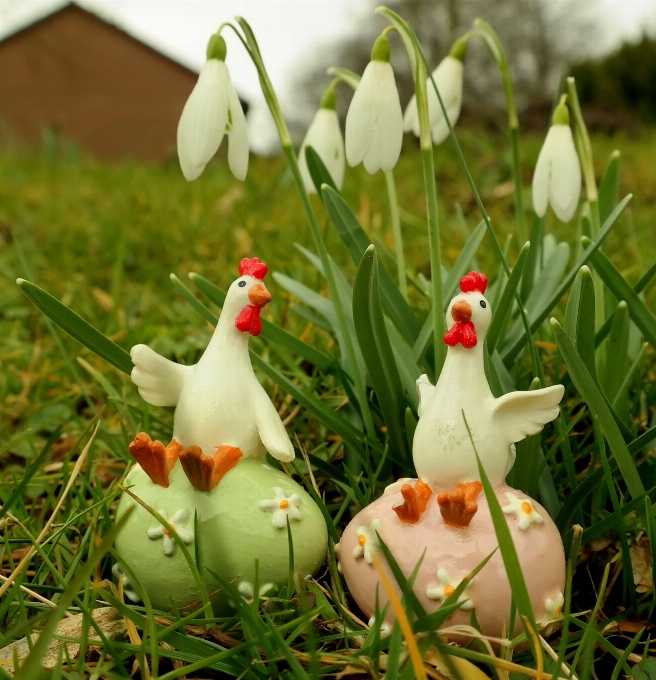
x=241, y=284
x=483, y=304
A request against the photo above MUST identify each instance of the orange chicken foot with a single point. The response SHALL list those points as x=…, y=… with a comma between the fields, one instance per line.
x=205, y=472
x=156, y=460
x=415, y=501
x=459, y=506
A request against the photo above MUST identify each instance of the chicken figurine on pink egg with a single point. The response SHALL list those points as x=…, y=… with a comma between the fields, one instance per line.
x=443, y=515
x=211, y=483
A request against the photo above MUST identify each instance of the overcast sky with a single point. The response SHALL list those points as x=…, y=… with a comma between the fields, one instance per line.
x=287, y=30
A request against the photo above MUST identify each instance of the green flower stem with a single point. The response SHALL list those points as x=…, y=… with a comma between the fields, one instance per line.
x=398, y=236
x=250, y=43
x=491, y=40
x=584, y=148
x=537, y=368
x=435, y=258
x=413, y=49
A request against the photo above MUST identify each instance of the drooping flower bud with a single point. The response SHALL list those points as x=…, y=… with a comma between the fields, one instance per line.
x=325, y=137
x=557, y=176
x=374, y=123
x=213, y=110
x=448, y=77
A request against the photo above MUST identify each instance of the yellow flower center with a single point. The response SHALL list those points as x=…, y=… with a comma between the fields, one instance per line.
x=527, y=507
x=559, y=611
x=362, y=539
x=167, y=533
x=448, y=591
x=284, y=504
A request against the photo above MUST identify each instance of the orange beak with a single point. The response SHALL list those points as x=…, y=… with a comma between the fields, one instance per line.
x=259, y=295
x=461, y=311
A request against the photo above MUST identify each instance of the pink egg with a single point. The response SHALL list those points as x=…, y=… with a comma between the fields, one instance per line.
x=454, y=552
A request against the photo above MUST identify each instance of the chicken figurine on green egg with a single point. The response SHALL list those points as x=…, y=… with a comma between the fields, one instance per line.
x=443, y=516
x=214, y=468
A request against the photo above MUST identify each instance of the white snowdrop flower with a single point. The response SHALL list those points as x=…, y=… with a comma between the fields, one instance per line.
x=212, y=111
x=374, y=123
x=448, y=79
x=282, y=506
x=445, y=589
x=325, y=137
x=557, y=176
x=554, y=606
x=177, y=523
x=368, y=542
x=523, y=509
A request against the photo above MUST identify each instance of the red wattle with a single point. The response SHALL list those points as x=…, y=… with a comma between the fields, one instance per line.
x=461, y=332
x=467, y=334
x=249, y=321
x=452, y=337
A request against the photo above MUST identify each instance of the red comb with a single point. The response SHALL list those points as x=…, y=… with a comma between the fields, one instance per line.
x=253, y=267
x=474, y=281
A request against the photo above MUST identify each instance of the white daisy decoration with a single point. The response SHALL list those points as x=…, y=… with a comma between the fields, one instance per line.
x=385, y=628
x=368, y=541
x=177, y=522
x=554, y=607
x=523, y=508
x=446, y=588
x=245, y=589
x=282, y=507
x=128, y=590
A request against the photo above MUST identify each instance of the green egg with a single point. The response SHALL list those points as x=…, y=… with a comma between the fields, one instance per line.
x=233, y=533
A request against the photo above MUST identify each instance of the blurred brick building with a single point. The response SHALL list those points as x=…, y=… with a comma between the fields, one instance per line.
x=92, y=81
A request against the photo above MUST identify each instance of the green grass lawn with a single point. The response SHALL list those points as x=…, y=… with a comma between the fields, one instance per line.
x=104, y=238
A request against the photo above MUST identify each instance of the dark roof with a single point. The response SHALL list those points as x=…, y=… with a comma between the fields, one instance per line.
x=102, y=14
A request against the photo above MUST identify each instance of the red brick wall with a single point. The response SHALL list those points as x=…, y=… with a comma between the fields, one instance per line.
x=99, y=86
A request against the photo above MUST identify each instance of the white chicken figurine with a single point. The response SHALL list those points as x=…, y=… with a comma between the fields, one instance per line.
x=442, y=449
x=222, y=412
x=223, y=500
x=439, y=527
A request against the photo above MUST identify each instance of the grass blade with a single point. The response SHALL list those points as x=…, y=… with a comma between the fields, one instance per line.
x=506, y=545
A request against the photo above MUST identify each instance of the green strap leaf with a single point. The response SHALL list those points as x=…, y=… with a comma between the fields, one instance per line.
x=356, y=241
x=318, y=171
x=622, y=290
x=377, y=351
x=500, y=314
x=588, y=389
x=511, y=352
x=585, y=321
x=609, y=186
x=77, y=327
x=617, y=353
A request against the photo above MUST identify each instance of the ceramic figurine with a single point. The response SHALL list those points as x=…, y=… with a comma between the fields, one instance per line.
x=444, y=513
x=214, y=466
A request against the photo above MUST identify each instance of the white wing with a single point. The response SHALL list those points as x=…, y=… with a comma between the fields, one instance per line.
x=521, y=414
x=159, y=380
x=425, y=391
x=271, y=430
